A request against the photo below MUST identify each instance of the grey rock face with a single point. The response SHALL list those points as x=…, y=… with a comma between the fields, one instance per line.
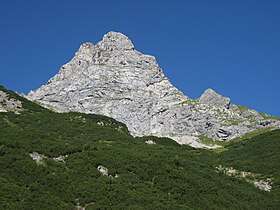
x=8, y=104
x=212, y=98
x=113, y=79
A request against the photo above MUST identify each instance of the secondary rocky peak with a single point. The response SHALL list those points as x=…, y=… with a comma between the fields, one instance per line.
x=211, y=97
x=86, y=48
x=86, y=52
x=115, y=41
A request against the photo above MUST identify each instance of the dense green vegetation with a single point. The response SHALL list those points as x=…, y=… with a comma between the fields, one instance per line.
x=259, y=154
x=161, y=176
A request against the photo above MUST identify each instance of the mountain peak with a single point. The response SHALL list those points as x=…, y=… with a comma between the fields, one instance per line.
x=113, y=79
x=211, y=97
x=115, y=41
x=209, y=90
x=114, y=35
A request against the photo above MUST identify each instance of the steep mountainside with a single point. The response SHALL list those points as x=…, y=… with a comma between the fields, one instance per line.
x=113, y=79
x=73, y=160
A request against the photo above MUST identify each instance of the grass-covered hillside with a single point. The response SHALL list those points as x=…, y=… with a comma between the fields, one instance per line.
x=50, y=161
x=260, y=154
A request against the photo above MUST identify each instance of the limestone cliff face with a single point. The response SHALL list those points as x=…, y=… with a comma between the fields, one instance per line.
x=112, y=78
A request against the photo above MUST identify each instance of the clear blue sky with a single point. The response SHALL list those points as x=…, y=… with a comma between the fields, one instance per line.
x=232, y=46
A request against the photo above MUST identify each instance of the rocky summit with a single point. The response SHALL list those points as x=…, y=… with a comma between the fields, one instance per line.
x=112, y=78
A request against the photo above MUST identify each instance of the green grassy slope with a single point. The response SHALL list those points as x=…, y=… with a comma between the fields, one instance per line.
x=259, y=154
x=161, y=176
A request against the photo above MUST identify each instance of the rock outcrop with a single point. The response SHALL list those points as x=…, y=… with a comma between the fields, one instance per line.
x=8, y=104
x=112, y=78
x=265, y=185
x=212, y=98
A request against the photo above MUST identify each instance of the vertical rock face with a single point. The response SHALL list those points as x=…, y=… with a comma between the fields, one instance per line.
x=112, y=78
